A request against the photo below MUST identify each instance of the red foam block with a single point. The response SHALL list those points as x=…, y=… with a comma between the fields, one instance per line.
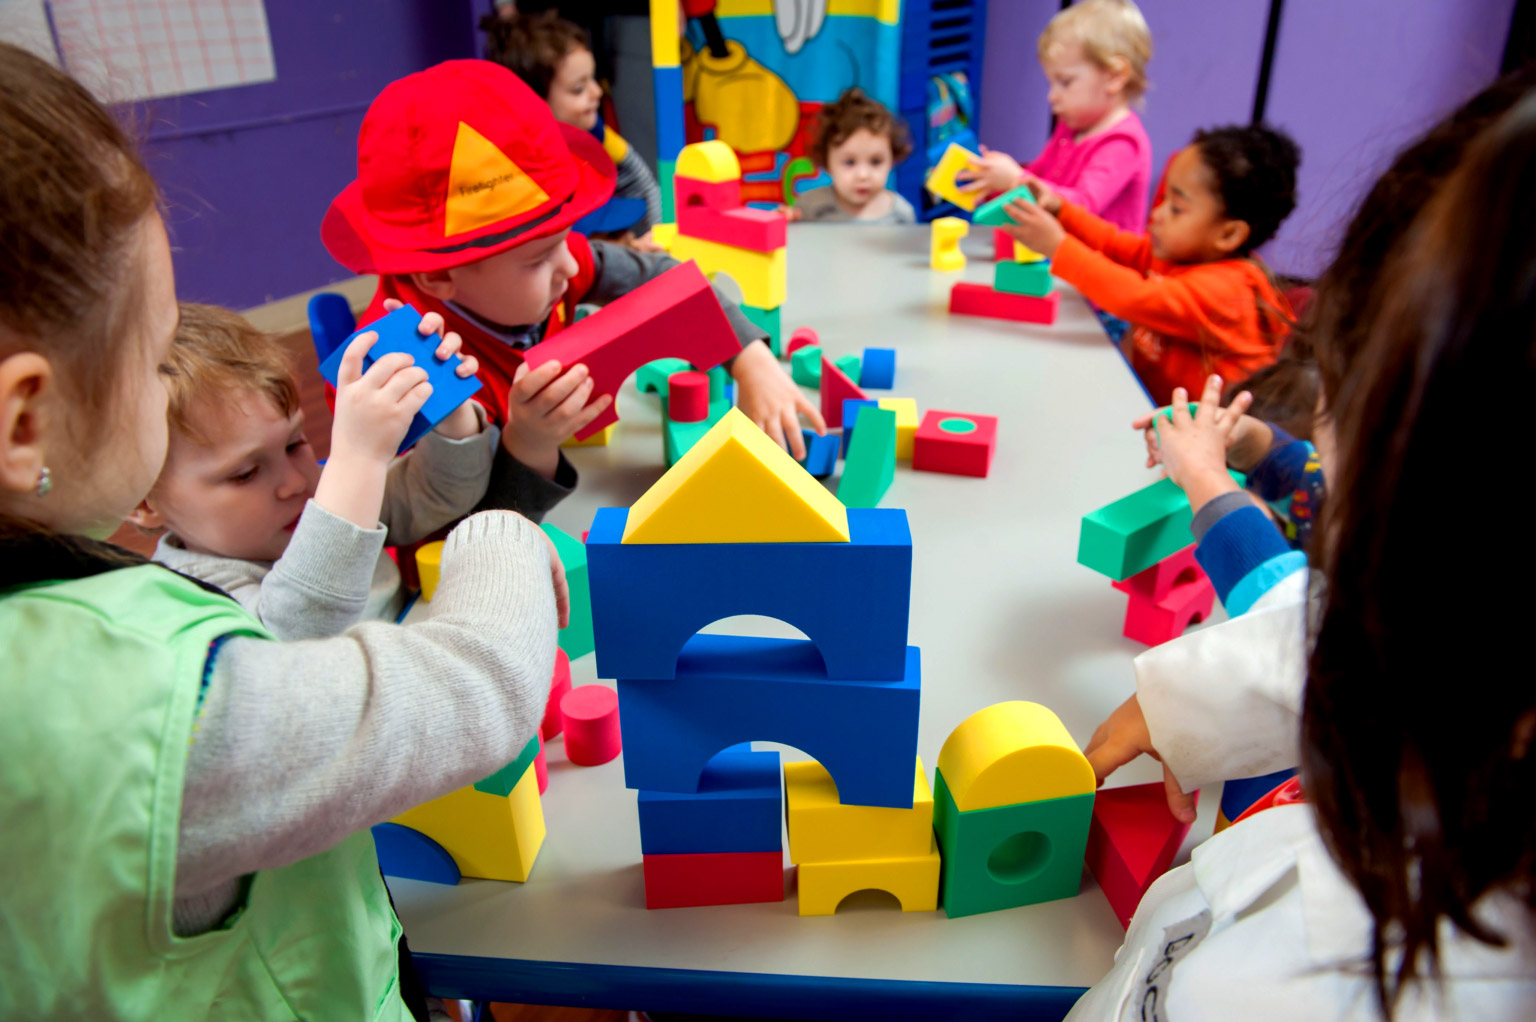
x=939, y=446
x=803, y=337
x=559, y=685
x=592, y=735
x=713, y=878
x=691, y=193
x=761, y=230
x=1159, y=580
x=836, y=388
x=541, y=766
x=981, y=300
x=1154, y=622
x=688, y=396
x=675, y=315
x=1131, y=842
x=1002, y=245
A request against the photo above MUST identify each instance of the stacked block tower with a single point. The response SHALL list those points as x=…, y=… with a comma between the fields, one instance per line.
x=1022, y=288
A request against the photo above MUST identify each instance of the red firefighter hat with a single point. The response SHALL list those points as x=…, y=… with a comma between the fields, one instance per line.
x=456, y=163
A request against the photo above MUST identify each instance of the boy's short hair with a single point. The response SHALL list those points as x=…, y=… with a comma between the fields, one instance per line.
x=1254, y=167
x=217, y=353
x=854, y=110
x=532, y=46
x=1105, y=29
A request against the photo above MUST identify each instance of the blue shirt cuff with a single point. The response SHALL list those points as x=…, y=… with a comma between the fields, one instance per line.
x=1261, y=580
x=1235, y=545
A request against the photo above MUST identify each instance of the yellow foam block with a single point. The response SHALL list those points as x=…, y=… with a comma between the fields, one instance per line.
x=762, y=276
x=906, y=423
x=712, y=161
x=663, y=234
x=914, y=880
x=1022, y=253
x=490, y=837
x=598, y=439
x=737, y=486
x=822, y=829
x=942, y=181
x=664, y=33
x=1011, y=753
x=944, y=237
x=429, y=567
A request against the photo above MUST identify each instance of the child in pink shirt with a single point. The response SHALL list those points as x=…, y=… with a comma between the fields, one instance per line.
x=1095, y=56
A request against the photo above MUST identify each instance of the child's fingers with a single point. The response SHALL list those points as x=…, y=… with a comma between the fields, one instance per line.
x=403, y=382
x=773, y=426
x=469, y=365
x=1110, y=755
x=1144, y=422
x=790, y=423
x=1182, y=806
x=1179, y=413
x=449, y=346
x=574, y=401
x=587, y=413
x=1021, y=212
x=351, y=368
x=431, y=323
x=414, y=398
x=811, y=412
x=1210, y=400
x=527, y=383
x=392, y=304
x=554, y=395
x=385, y=367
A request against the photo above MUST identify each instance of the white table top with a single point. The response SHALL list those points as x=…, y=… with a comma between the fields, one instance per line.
x=1000, y=608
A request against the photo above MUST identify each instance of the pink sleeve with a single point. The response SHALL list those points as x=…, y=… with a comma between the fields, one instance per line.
x=1109, y=168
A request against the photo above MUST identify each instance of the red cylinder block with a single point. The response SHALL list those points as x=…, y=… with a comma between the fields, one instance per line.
x=801, y=338
x=688, y=396
x=559, y=685
x=591, y=725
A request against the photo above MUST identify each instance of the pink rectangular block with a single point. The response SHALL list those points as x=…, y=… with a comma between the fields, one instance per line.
x=713, y=878
x=981, y=300
x=1157, y=581
x=687, y=191
x=761, y=230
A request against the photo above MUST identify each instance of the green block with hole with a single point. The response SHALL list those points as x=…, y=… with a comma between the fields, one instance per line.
x=991, y=213
x=767, y=319
x=1023, y=278
x=850, y=365
x=1012, y=855
x=871, y=465
x=805, y=366
x=652, y=377
x=576, y=637
x=1137, y=531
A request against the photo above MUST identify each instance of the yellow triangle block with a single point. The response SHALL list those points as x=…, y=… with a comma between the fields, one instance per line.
x=737, y=486
x=489, y=837
x=484, y=185
x=1010, y=753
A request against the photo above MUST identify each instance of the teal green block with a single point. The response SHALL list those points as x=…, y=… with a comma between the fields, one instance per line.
x=850, y=366
x=991, y=213
x=1137, y=531
x=652, y=377
x=805, y=366
x=1023, y=279
x=767, y=319
x=871, y=464
x=679, y=437
x=576, y=637
x=504, y=780
x=1012, y=855
x=666, y=171
x=719, y=377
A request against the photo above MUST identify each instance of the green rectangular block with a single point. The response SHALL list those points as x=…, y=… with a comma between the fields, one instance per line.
x=767, y=319
x=991, y=213
x=871, y=464
x=679, y=437
x=805, y=366
x=1137, y=531
x=504, y=780
x=850, y=365
x=1023, y=278
x=666, y=170
x=1012, y=855
x=576, y=637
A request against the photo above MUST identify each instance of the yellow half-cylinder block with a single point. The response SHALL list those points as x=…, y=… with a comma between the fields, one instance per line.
x=822, y=829
x=906, y=424
x=944, y=237
x=664, y=34
x=489, y=837
x=942, y=181
x=712, y=161
x=1010, y=753
x=598, y=439
x=762, y=276
x=429, y=567
x=737, y=486
x=914, y=880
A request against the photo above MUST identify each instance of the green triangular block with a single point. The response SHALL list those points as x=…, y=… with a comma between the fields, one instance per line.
x=991, y=213
x=504, y=780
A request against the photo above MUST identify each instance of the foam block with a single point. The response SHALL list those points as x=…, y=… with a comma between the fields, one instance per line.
x=871, y=465
x=1178, y=568
x=821, y=450
x=805, y=366
x=649, y=599
x=674, y=314
x=736, y=809
x=992, y=213
x=1002, y=246
x=667, y=90
x=560, y=684
x=836, y=387
x=575, y=637
x=959, y=443
x=652, y=377
x=489, y=837
x=1013, y=752
x=769, y=321
x=1131, y=842
x=1133, y=533
x=912, y=880
x=398, y=333
x=762, y=276
x=944, y=238
x=941, y=180
x=408, y=853
x=599, y=439
x=713, y=161
x=731, y=689
x=591, y=716
x=849, y=364
x=822, y=829
x=429, y=567
x=1023, y=279
x=906, y=424
x=713, y=878
x=719, y=195
x=877, y=368
x=980, y=300
x=541, y=766
x=760, y=230
x=1155, y=622
x=678, y=438
x=851, y=408
x=504, y=780
x=803, y=337
x=688, y=396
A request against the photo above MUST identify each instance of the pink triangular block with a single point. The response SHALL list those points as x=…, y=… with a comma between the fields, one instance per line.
x=835, y=388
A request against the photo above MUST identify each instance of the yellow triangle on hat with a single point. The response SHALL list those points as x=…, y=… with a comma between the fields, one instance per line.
x=484, y=185
x=737, y=486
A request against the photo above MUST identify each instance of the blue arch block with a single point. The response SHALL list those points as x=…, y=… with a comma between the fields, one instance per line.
x=738, y=808
x=851, y=599
x=406, y=852
x=730, y=689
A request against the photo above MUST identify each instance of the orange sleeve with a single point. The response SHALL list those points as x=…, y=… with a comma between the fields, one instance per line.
x=1124, y=247
x=1201, y=305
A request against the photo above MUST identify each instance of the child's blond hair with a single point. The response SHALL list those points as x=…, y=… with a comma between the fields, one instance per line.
x=217, y=353
x=1105, y=29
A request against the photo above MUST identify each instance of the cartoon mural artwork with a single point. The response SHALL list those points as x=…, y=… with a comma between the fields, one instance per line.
x=798, y=21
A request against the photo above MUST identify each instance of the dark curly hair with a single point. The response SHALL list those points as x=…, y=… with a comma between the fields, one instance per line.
x=532, y=46
x=852, y=111
x=1255, y=171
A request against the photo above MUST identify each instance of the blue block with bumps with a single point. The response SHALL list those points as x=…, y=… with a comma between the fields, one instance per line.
x=730, y=689
x=820, y=452
x=648, y=599
x=878, y=368
x=397, y=333
x=851, y=406
x=406, y=852
x=736, y=809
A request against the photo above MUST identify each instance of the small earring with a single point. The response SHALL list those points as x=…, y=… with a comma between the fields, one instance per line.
x=44, y=482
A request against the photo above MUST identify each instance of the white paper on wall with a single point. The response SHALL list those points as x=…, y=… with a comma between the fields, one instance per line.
x=24, y=23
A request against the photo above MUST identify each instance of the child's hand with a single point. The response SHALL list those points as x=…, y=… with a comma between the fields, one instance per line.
x=557, y=577
x=645, y=243
x=994, y=172
x=374, y=409
x=791, y=213
x=1045, y=196
x=462, y=422
x=1034, y=226
x=1122, y=738
x=1193, y=449
x=545, y=408
x=766, y=395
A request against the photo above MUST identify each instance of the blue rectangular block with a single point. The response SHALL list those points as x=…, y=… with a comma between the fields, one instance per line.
x=648, y=599
x=667, y=83
x=730, y=689
x=851, y=406
x=397, y=332
x=820, y=452
x=878, y=368
x=736, y=809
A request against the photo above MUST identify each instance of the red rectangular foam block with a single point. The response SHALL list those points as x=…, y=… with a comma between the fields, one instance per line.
x=1155, y=622
x=836, y=388
x=943, y=444
x=1158, y=581
x=686, y=880
x=761, y=230
x=1002, y=245
x=687, y=191
x=981, y=300
x=1131, y=842
x=675, y=315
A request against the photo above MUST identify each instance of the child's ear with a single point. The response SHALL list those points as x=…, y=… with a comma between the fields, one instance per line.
x=23, y=379
x=437, y=283
x=1231, y=236
x=1119, y=71
x=146, y=517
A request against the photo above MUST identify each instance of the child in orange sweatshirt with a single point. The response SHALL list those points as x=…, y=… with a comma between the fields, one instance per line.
x=1198, y=299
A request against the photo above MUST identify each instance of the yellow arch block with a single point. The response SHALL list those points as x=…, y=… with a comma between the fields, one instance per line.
x=944, y=237
x=737, y=486
x=914, y=880
x=712, y=161
x=822, y=829
x=1012, y=753
x=763, y=276
x=941, y=181
x=490, y=837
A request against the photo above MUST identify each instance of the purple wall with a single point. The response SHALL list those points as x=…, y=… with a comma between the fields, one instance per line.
x=1014, y=116
x=248, y=172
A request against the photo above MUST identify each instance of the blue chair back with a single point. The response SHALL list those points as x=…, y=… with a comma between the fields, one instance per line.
x=330, y=322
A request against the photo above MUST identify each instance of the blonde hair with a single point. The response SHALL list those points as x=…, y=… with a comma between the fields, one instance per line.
x=217, y=353
x=1105, y=29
